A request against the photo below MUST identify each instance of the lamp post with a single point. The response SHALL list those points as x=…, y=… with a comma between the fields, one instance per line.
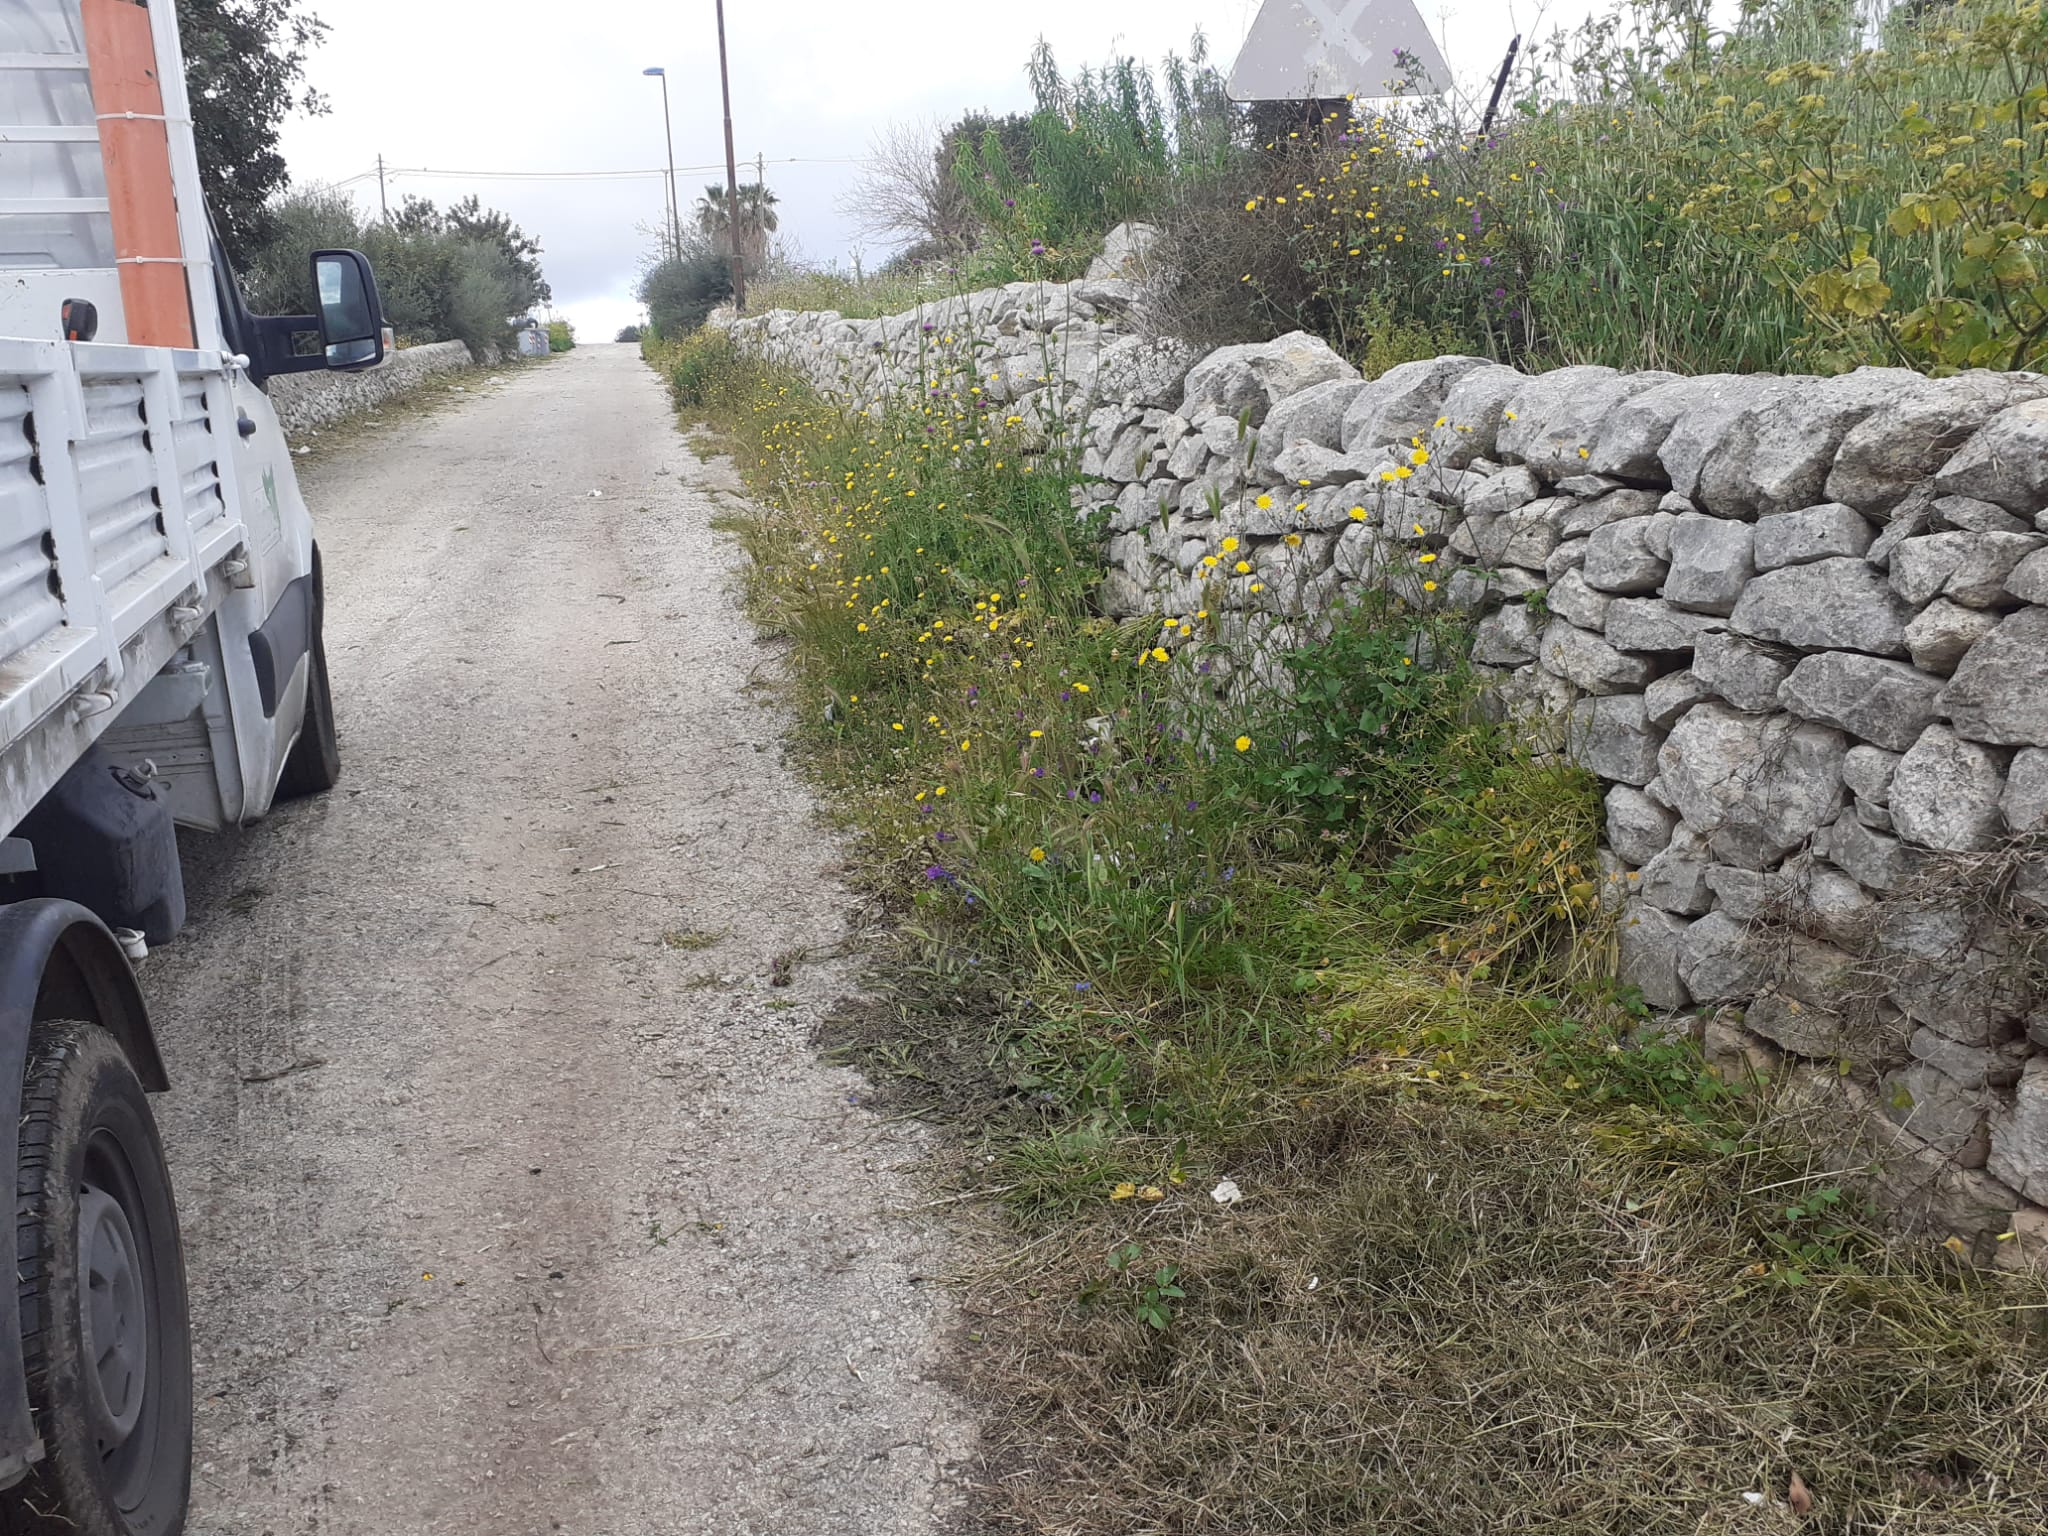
x=675, y=215
x=732, y=179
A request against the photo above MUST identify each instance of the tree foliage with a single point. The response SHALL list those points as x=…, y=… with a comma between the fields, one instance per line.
x=245, y=66
x=758, y=220
x=680, y=292
x=444, y=274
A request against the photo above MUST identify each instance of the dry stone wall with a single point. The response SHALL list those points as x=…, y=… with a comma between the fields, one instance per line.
x=306, y=402
x=1797, y=626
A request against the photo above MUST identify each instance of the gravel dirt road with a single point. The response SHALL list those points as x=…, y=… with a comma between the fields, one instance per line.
x=515, y=1200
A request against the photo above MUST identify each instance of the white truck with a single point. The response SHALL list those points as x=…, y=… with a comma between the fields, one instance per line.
x=160, y=665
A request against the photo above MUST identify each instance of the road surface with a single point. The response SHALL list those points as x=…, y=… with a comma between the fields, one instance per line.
x=514, y=1198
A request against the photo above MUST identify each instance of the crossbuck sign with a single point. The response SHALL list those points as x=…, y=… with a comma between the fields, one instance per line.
x=1320, y=50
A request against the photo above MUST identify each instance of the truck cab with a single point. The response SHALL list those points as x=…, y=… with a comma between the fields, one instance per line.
x=161, y=665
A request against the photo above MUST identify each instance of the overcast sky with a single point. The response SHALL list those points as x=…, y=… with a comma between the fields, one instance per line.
x=524, y=87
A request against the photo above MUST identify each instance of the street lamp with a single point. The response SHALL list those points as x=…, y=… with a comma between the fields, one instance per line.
x=675, y=214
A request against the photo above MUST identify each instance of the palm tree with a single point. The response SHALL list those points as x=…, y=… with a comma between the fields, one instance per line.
x=757, y=222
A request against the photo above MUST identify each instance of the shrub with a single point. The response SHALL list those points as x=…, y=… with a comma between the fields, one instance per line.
x=1804, y=187
x=699, y=366
x=561, y=336
x=628, y=333
x=680, y=293
x=1103, y=148
x=446, y=275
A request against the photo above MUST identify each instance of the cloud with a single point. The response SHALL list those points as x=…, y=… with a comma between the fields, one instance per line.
x=541, y=89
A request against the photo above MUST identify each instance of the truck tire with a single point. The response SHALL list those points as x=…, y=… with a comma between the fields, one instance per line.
x=104, y=1328
x=314, y=766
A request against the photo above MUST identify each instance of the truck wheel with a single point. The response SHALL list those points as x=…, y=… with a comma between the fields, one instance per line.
x=314, y=766
x=102, y=1278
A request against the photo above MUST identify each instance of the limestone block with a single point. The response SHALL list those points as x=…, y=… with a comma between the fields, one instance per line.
x=2006, y=462
x=1910, y=519
x=1800, y=1027
x=1870, y=857
x=1514, y=487
x=1632, y=436
x=1966, y=514
x=2019, y=1136
x=1651, y=624
x=1619, y=559
x=1123, y=596
x=1745, y=894
x=1480, y=591
x=1128, y=251
x=1915, y=432
x=1835, y=604
x=1825, y=532
x=1612, y=738
x=1472, y=416
x=1945, y=794
x=1570, y=598
x=1966, y=568
x=1248, y=380
x=1649, y=955
x=2025, y=801
x=2028, y=580
x=1637, y=826
x=1946, y=1117
x=1758, y=787
x=1676, y=879
x=1777, y=457
x=1667, y=699
x=1711, y=563
x=1314, y=415
x=1886, y=703
x=1999, y=693
x=1829, y=904
x=1555, y=417
x=1950, y=975
x=1716, y=410
x=1404, y=403
x=1530, y=535
x=1568, y=556
x=1746, y=674
x=1736, y=1054
x=1942, y=633
x=1302, y=466
x=1970, y=1066
x=1589, y=662
x=1144, y=371
x=1868, y=772
x=1719, y=963
x=1507, y=637
x=1611, y=506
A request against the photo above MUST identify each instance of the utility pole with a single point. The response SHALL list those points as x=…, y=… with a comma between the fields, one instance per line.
x=383, y=202
x=732, y=179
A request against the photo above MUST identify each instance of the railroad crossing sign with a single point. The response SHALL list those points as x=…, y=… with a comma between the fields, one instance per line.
x=1320, y=50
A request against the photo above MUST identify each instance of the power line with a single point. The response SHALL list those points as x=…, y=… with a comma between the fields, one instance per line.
x=619, y=175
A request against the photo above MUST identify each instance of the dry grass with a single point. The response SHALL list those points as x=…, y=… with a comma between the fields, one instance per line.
x=1437, y=1317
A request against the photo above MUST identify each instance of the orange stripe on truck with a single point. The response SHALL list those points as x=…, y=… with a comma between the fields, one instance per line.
x=122, y=57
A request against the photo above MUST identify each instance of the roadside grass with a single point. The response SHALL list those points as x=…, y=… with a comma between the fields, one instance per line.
x=858, y=296
x=1327, y=1187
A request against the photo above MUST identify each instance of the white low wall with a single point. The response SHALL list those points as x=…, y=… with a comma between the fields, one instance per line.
x=308, y=401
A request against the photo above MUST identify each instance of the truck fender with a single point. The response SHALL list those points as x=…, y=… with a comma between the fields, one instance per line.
x=57, y=961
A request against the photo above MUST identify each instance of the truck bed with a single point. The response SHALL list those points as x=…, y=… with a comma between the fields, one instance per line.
x=117, y=516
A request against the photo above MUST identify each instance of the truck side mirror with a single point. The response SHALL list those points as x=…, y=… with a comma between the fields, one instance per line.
x=351, y=318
